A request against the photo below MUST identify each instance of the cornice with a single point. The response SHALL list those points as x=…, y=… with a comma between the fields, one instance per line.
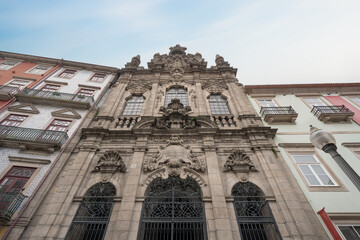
x=55, y=61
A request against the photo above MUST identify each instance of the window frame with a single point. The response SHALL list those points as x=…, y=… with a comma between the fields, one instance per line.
x=91, y=78
x=6, y=69
x=224, y=102
x=21, y=87
x=166, y=102
x=20, y=123
x=71, y=122
x=52, y=84
x=132, y=108
x=307, y=149
x=43, y=71
x=67, y=69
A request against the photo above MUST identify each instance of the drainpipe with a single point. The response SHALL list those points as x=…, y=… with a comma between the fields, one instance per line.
x=56, y=159
x=328, y=223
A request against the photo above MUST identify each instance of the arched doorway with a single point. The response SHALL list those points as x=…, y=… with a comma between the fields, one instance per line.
x=173, y=210
x=253, y=213
x=93, y=215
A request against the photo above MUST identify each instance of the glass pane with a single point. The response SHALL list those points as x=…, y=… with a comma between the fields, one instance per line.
x=309, y=175
x=326, y=180
x=349, y=233
x=305, y=169
x=318, y=169
x=304, y=158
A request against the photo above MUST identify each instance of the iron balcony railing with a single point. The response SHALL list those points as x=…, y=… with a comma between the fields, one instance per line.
x=276, y=111
x=339, y=109
x=8, y=90
x=36, y=93
x=33, y=135
x=9, y=203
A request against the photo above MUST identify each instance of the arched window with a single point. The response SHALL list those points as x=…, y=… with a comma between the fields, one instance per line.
x=218, y=105
x=133, y=106
x=179, y=93
x=93, y=215
x=173, y=209
x=253, y=213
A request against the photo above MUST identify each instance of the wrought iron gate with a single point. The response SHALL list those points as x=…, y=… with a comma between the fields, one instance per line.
x=173, y=210
x=93, y=215
x=253, y=213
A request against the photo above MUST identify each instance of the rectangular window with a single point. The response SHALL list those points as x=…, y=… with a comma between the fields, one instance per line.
x=313, y=171
x=267, y=103
x=19, y=83
x=39, y=69
x=13, y=120
x=86, y=92
x=98, y=77
x=50, y=87
x=356, y=100
x=59, y=125
x=12, y=183
x=314, y=102
x=350, y=232
x=67, y=73
x=7, y=64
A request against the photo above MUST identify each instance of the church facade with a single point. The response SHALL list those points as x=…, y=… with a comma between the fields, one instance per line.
x=174, y=151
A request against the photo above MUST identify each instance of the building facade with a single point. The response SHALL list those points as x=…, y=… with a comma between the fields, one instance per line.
x=39, y=120
x=336, y=109
x=176, y=151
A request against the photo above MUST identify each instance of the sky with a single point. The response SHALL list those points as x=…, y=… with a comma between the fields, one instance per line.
x=268, y=41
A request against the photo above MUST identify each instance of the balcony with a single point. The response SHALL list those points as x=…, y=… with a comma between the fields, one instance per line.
x=127, y=121
x=32, y=139
x=278, y=114
x=7, y=92
x=338, y=113
x=55, y=98
x=9, y=203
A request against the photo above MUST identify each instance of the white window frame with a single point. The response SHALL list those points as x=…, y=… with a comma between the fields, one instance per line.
x=311, y=105
x=67, y=77
x=7, y=67
x=38, y=71
x=93, y=76
x=312, y=170
x=21, y=87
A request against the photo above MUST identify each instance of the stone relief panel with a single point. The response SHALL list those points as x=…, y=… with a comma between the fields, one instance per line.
x=110, y=162
x=239, y=162
x=174, y=159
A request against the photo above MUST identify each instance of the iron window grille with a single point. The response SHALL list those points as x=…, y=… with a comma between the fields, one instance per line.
x=133, y=106
x=173, y=210
x=253, y=213
x=218, y=105
x=93, y=214
x=276, y=111
x=179, y=93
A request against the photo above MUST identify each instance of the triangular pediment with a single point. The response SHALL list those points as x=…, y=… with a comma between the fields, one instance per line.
x=138, y=88
x=66, y=113
x=24, y=108
x=215, y=88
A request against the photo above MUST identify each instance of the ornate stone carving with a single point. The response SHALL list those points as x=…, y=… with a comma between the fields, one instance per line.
x=177, y=61
x=110, y=162
x=175, y=115
x=174, y=158
x=136, y=88
x=220, y=62
x=239, y=162
x=135, y=62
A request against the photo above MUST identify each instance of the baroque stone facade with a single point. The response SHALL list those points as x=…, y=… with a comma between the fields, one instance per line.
x=207, y=141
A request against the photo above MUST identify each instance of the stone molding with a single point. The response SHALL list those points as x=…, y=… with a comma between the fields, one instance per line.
x=22, y=108
x=63, y=113
x=29, y=160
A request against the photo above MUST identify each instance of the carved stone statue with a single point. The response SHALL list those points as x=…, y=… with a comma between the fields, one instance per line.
x=174, y=158
x=110, y=162
x=220, y=62
x=239, y=162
